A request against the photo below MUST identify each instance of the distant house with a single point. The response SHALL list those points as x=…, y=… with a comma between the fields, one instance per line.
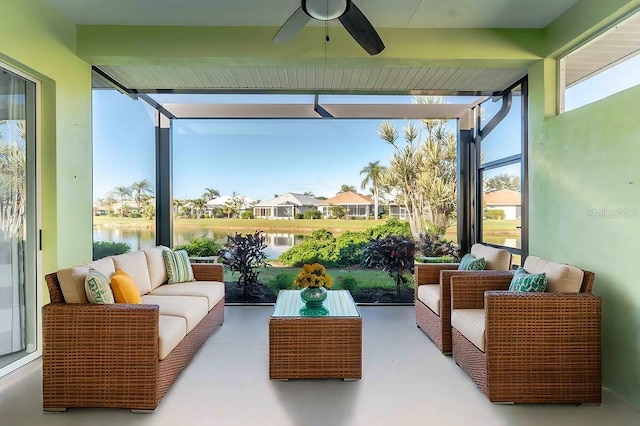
x=218, y=203
x=284, y=207
x=398, y=212
x=357, y=205
x=504, y=199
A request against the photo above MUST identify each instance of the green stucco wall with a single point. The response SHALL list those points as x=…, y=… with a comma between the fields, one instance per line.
x=585, y=210
x=40, y=42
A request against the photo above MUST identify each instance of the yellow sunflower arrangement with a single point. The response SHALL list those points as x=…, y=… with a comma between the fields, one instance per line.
x=313, y=275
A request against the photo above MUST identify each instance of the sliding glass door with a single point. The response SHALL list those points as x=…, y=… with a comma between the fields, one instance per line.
x=18, y=220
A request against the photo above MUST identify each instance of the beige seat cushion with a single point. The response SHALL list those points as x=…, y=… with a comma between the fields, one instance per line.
x=561, y=278
x=191, y=308
x=171, y=332
x=429, y=294
x=212, y=290
x=135, y=264
x=470, y=323
x=496, y=259
x=72, y=279
x=155, y=265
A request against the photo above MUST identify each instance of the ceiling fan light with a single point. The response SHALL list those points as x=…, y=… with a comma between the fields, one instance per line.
x=325, y=10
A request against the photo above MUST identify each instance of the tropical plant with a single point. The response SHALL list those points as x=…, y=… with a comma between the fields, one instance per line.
x=139, y=190
x=433, y=244
x=210, y=194
x=199, y=206
x=313, y=275
x=247, y=214
x=348, y=282
x=347, y=188
x=423, y=172
x=148, y=211
x=394, y=255
x=201, y=247
x=245, y=254
x=374, y=175
x=109, y=248
x=124, y=192
x=339, y=212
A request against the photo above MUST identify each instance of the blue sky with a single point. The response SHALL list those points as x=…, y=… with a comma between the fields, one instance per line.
x=255, y=158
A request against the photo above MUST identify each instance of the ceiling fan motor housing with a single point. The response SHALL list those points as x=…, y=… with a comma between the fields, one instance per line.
x=325, y=10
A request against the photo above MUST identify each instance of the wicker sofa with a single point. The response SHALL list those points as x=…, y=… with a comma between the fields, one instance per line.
x=521, y=347
x=433, y=294
x=125, y=355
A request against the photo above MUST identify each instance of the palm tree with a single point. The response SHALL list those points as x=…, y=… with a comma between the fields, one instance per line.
x=123, y=192
x=139, y=189
x=210, y=194
x=198, y=205
x=347, y=188
x=373, y=173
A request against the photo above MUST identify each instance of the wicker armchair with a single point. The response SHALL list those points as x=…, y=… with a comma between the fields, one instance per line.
x=538, y=347
x=433, y=301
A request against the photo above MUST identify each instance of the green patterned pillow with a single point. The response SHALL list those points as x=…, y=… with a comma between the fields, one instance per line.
x=178, y=266
x=98, y=289
x=524, y=281
x=470, y=263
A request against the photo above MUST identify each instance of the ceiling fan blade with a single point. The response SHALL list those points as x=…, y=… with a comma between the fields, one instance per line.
x=290, y=28
x=361, y=30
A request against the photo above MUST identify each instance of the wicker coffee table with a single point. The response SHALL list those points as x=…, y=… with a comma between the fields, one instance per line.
x=318, y=347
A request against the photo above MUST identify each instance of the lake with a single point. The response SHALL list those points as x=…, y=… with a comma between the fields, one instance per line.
x=277, y=243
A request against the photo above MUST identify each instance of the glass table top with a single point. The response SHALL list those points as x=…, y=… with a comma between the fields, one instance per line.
x=339, y=303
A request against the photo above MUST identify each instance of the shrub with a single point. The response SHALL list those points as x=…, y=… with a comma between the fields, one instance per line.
x=348, y=282
x=393, y=254
x=109, y=248
x=313, y=214
x=281, y=281
x=391, y=226
x=494, y=214
x=348, y=248
x=247, y=214
x=322, y=247
x=299, y=216
x=433, y=244
x=135, y=215
x=201, y=247
x=245, y=255
x=339, y=212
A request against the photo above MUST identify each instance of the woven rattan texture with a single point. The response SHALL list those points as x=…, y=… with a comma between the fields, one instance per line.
x=107, y=355
x=431, y=324
x=540, y=347
x=320, y=348
x=208, y=272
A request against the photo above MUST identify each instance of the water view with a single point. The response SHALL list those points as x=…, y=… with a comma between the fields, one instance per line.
x=277, y=242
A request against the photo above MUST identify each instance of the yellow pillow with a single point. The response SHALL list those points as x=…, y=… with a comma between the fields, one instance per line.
x=124, y=289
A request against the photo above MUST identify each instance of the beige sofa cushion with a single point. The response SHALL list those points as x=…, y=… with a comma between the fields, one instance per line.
x=191, y=308
x=155, y=264
x=496, y=259
x=561, y=278
x=470, y=323
x=72, y=279
x=212, y=290
x=171, y=332
x=429, y=294
x=135, y=264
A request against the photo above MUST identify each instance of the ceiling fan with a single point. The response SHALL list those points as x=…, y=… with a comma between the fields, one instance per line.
x=349, y=15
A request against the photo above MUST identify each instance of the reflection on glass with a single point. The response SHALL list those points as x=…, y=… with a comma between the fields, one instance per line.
x=501, y=205
x=313, y=311
x=506, y=139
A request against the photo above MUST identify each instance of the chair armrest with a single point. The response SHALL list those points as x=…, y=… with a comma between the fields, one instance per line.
x=467, y=290
x=208, y=271
x=429, y=273
x=555, y=333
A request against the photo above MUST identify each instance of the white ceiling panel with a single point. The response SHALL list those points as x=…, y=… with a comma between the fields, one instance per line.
x=290, y=78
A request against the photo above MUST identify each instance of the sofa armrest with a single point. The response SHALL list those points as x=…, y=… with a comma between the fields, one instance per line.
x=91, y=349
x=208, y=271
x=467, y=290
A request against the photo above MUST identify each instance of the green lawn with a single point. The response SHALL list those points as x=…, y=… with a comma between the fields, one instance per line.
x=366, y=278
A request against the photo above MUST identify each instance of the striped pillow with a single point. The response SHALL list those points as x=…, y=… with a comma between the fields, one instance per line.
x=178, y=266
x=97, y=288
